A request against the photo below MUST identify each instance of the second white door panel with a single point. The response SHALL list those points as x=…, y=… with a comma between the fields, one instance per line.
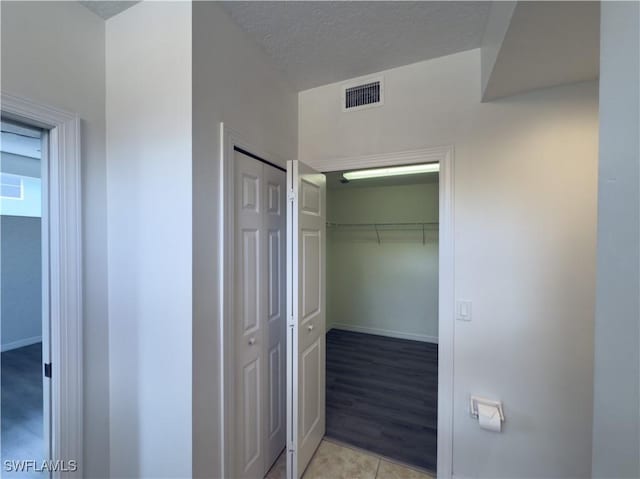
x=250, y=280
x=306, y=226
x=260, y=321
x=275, y=223
x=251, y=415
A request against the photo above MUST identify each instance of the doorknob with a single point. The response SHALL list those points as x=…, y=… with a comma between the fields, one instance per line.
x=252, y=341
x=310, y=327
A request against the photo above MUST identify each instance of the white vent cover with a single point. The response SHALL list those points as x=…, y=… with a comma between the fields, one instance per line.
x=364, y=94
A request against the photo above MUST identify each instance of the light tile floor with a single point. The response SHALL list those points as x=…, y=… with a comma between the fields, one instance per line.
x=335, y=461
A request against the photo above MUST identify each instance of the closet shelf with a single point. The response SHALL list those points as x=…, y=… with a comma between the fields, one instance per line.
x=379, y=227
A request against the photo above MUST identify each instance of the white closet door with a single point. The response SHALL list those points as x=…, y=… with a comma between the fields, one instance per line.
x=249, y=314
x=306, y=225
x=275, y=328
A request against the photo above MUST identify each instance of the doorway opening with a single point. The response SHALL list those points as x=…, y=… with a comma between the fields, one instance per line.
x=25, y=396
x=382, y=315
x=396, y=263
x=61, y=286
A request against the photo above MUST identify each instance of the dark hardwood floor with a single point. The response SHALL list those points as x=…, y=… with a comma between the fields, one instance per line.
x=21, y=406
x=382, y=395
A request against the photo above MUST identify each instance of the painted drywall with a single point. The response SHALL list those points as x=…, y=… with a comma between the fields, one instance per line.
x=616, y=430
x=525, y=222
x=389, y=288
x=546, y=44
x=21, y=297
x=234, y=82
x=148, y=71
x=316, y=43
x=53, y=52
x=497, y=25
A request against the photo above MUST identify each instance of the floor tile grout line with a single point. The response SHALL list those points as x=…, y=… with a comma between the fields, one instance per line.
x=390, y=460
x=379, y=461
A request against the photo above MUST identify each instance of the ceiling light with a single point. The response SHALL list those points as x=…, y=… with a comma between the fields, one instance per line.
x=393, y=171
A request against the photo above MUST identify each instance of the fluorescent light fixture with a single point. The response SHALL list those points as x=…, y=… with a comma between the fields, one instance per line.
x=393, y=171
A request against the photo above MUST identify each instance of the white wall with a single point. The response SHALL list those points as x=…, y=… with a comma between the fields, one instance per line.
x=53, y=52
x=494, y=33
x=525, y=216
x=616, y=428
x=234, y=82
x=148, y=58
x=389, y=288
x=530, y=45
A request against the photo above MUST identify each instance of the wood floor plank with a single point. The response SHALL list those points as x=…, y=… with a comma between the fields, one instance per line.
x=21, y=435
x=382, y=395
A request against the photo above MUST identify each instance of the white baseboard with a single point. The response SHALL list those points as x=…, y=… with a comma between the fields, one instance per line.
x=386, y=332
x=21, y=343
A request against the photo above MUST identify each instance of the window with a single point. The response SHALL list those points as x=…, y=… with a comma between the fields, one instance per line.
x=20, y=195
x=21, y=172
x=11, y=187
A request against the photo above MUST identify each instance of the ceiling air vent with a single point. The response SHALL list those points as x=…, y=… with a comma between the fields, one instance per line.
x=362, y=95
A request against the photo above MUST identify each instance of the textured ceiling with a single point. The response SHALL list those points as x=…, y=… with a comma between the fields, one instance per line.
x=316, y=43
x=107, y=9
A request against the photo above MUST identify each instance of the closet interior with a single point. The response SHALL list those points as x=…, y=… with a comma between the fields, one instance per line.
x=382, y=315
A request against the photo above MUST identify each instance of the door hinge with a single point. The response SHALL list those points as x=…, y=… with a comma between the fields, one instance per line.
x=291, y=448
x=291, y=196
x=47, y=370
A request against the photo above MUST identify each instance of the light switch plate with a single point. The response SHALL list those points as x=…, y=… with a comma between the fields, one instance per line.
x=463, y=310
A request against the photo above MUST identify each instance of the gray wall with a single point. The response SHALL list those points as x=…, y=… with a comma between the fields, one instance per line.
x=389, y=288
x=53, y=52
x=616, y=433
x=20, y=266
x=21, y=280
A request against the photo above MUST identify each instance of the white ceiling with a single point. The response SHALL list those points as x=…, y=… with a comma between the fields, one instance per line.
x=547, y=44
x=107, y=9
x=316, y=43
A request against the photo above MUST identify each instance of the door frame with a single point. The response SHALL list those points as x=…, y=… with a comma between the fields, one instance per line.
x=229, y=139
x=444, y=155
x=63, y=287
